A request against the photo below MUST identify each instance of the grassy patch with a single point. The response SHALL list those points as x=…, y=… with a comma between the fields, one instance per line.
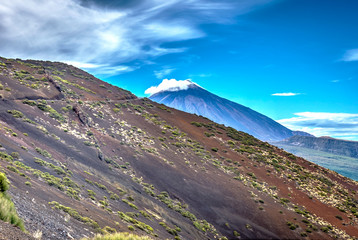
x=73, y=213
x=7, y=207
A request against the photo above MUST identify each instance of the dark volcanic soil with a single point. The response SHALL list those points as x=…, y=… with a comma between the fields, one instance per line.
x=9, y=232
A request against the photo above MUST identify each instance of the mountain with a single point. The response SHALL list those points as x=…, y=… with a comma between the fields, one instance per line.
x=195, y=99
x=325, y=144
x=85, y=157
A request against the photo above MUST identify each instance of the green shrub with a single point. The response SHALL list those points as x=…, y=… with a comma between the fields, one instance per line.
x=16, y=114
x=291, y=225
x=43, y=152
x=73, y=213
x=138, y=224
x=11, y=168
x=214, y=149
x=197, y=124
x=114, y=196
x=15, y=155
x=29, y=102
x=130, y=204
x=4, y=182
x=7, y=207
x=6, y=157
x=209, y=134
x=109, y=229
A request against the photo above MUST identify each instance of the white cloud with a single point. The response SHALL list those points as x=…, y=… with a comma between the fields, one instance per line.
x=288, y=94
x=160, y=74
x=90, y=33
x=102, y=69
x=351, y=55
x=83, y=65
x=339, y=125
x=171, y=85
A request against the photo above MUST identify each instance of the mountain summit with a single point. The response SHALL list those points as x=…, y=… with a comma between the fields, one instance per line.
x=188, y=96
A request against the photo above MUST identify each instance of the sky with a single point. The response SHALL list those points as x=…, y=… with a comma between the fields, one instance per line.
x=295, y=61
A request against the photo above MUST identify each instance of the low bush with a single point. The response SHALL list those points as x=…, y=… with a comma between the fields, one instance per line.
x=16, y=114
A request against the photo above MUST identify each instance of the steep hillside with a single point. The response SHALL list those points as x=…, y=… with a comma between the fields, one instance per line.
x=197, y=100
x=85, y=157
x=325, y=144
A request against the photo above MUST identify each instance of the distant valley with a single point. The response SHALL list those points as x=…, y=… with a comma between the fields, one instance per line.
x=335, y=154
x=325, y=144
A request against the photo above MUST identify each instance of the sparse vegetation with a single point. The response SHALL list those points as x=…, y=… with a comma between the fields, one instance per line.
x=136, y=223
x=43, y=152
x=73, y=213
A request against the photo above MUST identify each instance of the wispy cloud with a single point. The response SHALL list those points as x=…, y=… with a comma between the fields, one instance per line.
x=351, y=55
x=113, y=70
x=339, y=125
x=201, y=75
x=288, y=94
x=161, y=74
x=102, y=69
x=92, y=33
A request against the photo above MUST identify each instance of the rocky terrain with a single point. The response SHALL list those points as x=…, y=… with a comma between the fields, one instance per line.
x=9, y=232
x=85, y=157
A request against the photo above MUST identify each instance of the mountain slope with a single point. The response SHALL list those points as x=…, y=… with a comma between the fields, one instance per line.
x=85, y=157
x=197, y=100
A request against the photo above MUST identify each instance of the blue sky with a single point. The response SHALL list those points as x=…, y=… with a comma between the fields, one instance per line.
x=295, y=61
